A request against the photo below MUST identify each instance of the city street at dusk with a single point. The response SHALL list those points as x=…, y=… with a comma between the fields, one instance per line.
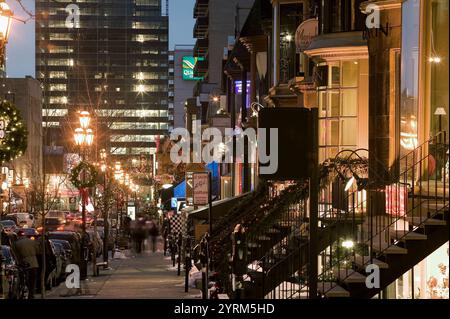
x=225, y=157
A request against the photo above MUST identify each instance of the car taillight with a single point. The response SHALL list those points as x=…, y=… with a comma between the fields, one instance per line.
x=60, y=228
x=32, y=238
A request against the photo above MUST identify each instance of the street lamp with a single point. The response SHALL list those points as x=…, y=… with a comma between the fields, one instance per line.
x=4, y=189
x=85, y=119
x=6, y=16
x=104, y=169
x=84, y=137
x=79, y=137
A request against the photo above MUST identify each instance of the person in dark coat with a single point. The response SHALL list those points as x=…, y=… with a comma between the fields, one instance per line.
x=165, y=233
x=153, y=233
x=138, y=235
x=26, y=251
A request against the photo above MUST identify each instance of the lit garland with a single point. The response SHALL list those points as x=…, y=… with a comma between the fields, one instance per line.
x=91, y=175
x=13, y=133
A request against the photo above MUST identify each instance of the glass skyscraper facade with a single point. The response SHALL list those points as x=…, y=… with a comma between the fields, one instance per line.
x=109, y=57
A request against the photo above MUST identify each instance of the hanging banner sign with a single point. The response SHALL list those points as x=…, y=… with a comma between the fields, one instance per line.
x=305, y=33
x=201, y=189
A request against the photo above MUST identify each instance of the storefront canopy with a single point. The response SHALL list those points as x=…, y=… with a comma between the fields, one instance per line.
x=219, y=208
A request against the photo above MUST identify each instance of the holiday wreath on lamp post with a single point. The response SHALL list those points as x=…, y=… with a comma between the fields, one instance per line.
x=84, y=175
x=13, y=133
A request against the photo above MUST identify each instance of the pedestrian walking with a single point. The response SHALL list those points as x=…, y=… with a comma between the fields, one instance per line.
x=165, y=232
x=26, y=251
x=154, y=233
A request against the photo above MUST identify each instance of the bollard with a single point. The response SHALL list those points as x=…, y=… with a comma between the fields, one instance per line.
x=187, y=264
x=204, y=262
x=172, y=250
x=239, y=259
x=179, y=246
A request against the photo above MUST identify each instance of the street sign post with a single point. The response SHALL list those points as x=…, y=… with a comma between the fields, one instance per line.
x=202, y=193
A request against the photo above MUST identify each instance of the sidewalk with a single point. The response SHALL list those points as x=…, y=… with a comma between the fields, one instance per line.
x=146, y=276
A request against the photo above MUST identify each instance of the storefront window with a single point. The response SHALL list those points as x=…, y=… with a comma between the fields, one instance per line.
x=437, y=60
x=291, y=16
x=436, y=69
x=410, y=75
x=341, y=16
x=338, y=106
x=429, y=279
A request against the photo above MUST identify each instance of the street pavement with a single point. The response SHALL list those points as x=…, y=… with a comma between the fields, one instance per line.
x=132, y=276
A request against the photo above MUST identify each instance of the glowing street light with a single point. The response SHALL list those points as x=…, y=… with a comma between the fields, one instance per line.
x=5, y=21
x=348, y=244
x=79, y=136
x=89, y=137
x=103, y=154
x=85, y=119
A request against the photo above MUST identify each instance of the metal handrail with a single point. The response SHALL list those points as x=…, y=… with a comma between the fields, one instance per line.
x=398, y=218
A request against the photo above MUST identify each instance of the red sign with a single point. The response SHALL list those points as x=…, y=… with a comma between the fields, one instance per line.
x=201, y=189
x=396, y=196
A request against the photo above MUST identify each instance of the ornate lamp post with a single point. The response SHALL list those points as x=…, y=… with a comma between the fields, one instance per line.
x=6, y=16
x=118, y=176
x=104, y=169
x=84, y=137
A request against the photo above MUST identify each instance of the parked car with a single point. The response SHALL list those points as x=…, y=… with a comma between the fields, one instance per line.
x=75, y=243
x=9, y=226
x=11, y=278
x=10, y=217
x=51, y=263
x=54, y=224
x=59, y=270
x=70, y=216
x=31, y=233
x=23, y=220
x=67, y=249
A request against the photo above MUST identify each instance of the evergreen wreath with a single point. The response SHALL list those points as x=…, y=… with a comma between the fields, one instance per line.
x=13, y=133
x=91, y=175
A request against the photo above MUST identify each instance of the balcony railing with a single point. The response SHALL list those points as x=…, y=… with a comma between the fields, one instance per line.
x=201, y=47
x=201, y=8
x=201, y=27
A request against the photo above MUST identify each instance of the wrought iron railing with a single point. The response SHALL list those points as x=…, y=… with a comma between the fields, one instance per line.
x=418, y=196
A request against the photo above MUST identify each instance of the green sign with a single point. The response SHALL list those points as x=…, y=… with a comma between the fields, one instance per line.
x=189, y=63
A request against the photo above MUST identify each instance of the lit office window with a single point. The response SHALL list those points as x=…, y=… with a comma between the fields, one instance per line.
x=134, y=126
x=50, y=124
x=60, y=49
x=58, y=100
x=60, y=36
x=58, y=87
x=59, y=62
x=145, y=37
x=54, y=112
x=133, y=138
x=118, y=150
x=58, y=75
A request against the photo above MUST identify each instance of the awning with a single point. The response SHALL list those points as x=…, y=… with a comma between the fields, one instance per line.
x=335, y=45
x=219, y=208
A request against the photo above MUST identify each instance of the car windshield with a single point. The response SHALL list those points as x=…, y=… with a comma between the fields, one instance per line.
x=30, y=231
x=7, y=255
x=7, y=223
x=57, y=214
x=52, y=221
x=64, y=243
x=58, y=247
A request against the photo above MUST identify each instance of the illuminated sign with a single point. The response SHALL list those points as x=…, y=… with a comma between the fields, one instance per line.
x=189, y=63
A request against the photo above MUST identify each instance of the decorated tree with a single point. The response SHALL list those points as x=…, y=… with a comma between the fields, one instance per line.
x=13, y=133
